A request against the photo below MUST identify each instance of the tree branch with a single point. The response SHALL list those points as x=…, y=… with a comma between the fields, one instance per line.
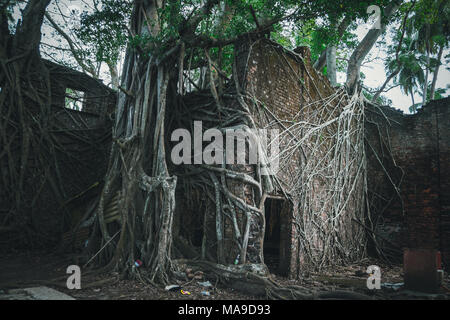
x=397, y=70
x=365, y=46
x=189, y=25
x=28, y=33
x=321, y=61
x=78, y=58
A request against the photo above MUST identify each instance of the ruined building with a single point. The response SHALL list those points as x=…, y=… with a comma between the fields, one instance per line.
x=408, y=157
x=354, y=178
x=309, y=211
x=57, y=176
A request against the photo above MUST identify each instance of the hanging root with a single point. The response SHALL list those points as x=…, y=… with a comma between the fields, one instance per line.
x=330, y=185
x=146, y=201
x=41, y=142
x=325, y=142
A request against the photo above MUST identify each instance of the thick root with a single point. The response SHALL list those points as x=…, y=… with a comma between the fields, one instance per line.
x=255, y=280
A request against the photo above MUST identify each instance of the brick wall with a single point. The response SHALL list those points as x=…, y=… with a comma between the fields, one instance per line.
x=81, y=158
x=442, y=114
x=417, y=216
x=407, y=156
x=286, y=84
x=275, y=78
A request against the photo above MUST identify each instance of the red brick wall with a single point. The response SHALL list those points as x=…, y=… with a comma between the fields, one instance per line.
x=413, y=149
x=419, y=145
x=282, y=82
x=442, y=114
x=275, y=78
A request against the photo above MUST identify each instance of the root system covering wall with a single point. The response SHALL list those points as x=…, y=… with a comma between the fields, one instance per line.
x=318, y=144
x=77, y=160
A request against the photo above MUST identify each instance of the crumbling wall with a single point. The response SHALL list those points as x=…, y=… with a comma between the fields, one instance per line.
x=97, y=98
x=408, y=175
x=384, y=177
x=78, y=158
x=282, y=90
x=442, y=114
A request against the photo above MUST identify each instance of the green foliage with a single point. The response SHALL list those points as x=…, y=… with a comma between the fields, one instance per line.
x=104, y=30
x=318, y=35
x=313, y=23
x=427, y=29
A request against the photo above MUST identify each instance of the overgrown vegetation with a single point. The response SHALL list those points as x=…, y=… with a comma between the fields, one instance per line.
x=178, y=47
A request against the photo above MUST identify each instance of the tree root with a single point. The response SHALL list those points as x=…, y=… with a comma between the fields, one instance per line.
x=255, y=280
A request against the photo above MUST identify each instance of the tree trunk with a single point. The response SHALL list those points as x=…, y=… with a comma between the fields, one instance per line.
x=436, y=72
x=425, y=84
x=114, y=75
x=331, y=65
x=138, y=172
x=397, y=70
x=427, y=67
x=364, y=47
x=322, y=60
x=138, y=168
x=413, y=102
x=27, y=147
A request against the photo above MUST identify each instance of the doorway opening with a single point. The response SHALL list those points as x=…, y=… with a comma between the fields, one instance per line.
x=273, y=239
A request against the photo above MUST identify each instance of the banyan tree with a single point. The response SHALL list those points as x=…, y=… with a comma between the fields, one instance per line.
x=183, y=66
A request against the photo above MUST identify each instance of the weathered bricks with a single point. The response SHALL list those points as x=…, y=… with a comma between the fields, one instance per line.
x=419, y=145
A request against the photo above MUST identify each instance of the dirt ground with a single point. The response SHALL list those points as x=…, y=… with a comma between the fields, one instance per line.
x=20, y=270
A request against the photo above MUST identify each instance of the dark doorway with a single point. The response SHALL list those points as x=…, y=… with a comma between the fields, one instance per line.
x=272, y=238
